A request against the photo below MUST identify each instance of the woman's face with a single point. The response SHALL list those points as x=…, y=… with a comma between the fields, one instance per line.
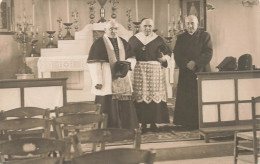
x=147, y=27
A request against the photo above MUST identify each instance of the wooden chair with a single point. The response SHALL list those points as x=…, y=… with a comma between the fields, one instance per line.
x=76, y=108
x=79, y=107
x=103, y=136
x=25, y=112
x=117, y=156
x=32, y=151
x=25, y=127
x=252, y=136
x=68, y=125
x=73, y=123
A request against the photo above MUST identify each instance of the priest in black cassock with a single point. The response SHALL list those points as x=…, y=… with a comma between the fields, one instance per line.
x=149, y=82
x=192, y=53
x=110, y=77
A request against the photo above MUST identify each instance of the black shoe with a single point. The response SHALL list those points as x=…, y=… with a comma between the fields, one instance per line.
x=144, y=128
x=153, y=127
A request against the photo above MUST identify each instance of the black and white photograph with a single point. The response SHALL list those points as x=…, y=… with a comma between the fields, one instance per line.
x=129, y=81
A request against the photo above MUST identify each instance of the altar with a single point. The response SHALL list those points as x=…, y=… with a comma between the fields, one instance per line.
x=44, y=93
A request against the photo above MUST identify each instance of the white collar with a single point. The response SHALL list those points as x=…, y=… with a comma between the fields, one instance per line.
x=110, y=44
x=146, y=39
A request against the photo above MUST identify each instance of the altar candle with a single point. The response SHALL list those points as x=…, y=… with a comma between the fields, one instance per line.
x=154, y=11
x=24, y=16
x=173, y=22
x=168, y=11
x=136, y=11
x=50, y=19
x=168, y=16
x=33, y=13
x=68, y=12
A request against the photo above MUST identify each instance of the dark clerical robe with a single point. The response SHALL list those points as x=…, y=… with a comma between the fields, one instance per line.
x=149, y=84
x=196, y=47
x=116, y=104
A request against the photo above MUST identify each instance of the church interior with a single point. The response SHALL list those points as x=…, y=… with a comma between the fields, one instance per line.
x=44, y=48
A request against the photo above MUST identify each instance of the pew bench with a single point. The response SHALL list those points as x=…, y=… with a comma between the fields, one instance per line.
x=215, y=132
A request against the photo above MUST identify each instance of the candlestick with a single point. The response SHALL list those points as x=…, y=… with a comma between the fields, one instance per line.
x=136, y=11
x=68, y=12
x=50, y=19
x=51, y=44
x=129, y=15
x=68, y=35
x=91, y=10
x=60, y=37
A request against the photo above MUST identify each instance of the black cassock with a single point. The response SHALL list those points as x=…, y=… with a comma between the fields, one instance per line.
x=196, y=47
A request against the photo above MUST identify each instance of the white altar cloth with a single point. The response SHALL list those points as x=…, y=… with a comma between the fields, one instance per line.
x=61, y=63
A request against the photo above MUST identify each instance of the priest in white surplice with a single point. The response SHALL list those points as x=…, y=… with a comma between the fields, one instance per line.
x=111, y=77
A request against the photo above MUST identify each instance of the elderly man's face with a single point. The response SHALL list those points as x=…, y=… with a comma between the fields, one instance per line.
x=112, y=30
x=147, y=27
x=191, y=24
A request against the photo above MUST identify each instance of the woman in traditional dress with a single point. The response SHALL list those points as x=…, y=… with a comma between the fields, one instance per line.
x=149, y=82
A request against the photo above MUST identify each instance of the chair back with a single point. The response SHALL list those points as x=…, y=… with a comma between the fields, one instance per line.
x=117, y=156
x=256, y=116
x=29, y=150
x=25, y=127
x=76, y=122
x=106, y=135
x=79, y=107
x=25, y=112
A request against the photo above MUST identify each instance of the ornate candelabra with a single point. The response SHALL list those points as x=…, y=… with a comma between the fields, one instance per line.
x=25, y=32
x=129, y=20
x=75, y=15
x=114, y=8
x=91, y=11
x=102, y=10
x=60, y=37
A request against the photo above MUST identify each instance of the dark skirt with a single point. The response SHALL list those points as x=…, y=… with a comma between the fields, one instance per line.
x=186, y=107
x=152, y=112
x=121, y=113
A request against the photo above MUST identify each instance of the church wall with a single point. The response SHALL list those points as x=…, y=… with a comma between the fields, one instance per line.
x=234, y=30
x=233, y=27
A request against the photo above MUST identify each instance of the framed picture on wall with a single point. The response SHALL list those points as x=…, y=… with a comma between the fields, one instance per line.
x=6, y=17
x=197, y=8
